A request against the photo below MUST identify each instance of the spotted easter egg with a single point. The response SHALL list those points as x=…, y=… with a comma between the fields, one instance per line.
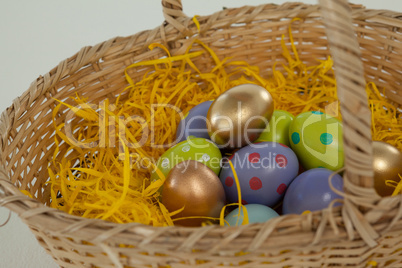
x=194, y=123
x=264, y=170
x=316, y=138
x=198, y=149
x=311, y=191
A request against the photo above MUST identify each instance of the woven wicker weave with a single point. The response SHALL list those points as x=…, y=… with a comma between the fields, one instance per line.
x=365, y=231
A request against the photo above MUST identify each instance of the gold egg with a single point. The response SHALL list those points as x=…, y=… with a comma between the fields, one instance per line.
x=239, y=115
x=387, y=164
x=194, y=186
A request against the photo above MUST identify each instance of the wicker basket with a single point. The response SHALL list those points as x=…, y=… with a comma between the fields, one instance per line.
x=365, y=232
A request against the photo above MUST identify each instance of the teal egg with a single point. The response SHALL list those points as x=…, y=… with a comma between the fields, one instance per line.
x=316, y=138
x=256, y=213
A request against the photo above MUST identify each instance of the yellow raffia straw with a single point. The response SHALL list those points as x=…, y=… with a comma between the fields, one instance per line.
x=197, y=23
x=101, y=169
x=245, y=221
x=306, y=212
x=396, y=185
x=25, y=192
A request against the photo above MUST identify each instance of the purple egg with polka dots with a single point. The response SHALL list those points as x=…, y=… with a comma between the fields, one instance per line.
x=264, y=171
x=310, y=191
x=194, y=123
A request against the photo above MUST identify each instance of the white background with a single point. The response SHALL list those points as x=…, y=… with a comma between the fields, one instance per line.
x=36, y=35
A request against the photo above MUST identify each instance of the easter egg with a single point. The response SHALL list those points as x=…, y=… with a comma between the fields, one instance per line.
x=316, y=138
x=278, y=128
x=255, y=212
x=310, y=191
x=196, y=188
x=387, y=164
x=199, y=149
x=238, y=116
x=264, y=171
x=194, y=123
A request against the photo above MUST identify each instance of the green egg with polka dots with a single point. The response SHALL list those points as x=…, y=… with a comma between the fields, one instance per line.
x=199, y=149
x=316, y=138
x=278, y=128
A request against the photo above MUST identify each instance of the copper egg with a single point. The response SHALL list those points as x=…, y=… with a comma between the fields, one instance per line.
x=239, y=115
x=194, y=186
x=387, y=164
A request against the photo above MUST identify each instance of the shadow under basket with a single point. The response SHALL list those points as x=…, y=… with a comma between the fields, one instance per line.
x=366, y=231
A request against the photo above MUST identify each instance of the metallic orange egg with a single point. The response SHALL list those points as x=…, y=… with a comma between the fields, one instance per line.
x=194, y=186
x=387, y=164
x=239, y=115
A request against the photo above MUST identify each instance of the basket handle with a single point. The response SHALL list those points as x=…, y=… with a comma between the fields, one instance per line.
x=173, y=12
x=349, y=72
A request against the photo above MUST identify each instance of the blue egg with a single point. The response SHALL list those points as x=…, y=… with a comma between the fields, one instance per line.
x=255, y=212
x=194, y=123
x=310, y=191
x=264, y=171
